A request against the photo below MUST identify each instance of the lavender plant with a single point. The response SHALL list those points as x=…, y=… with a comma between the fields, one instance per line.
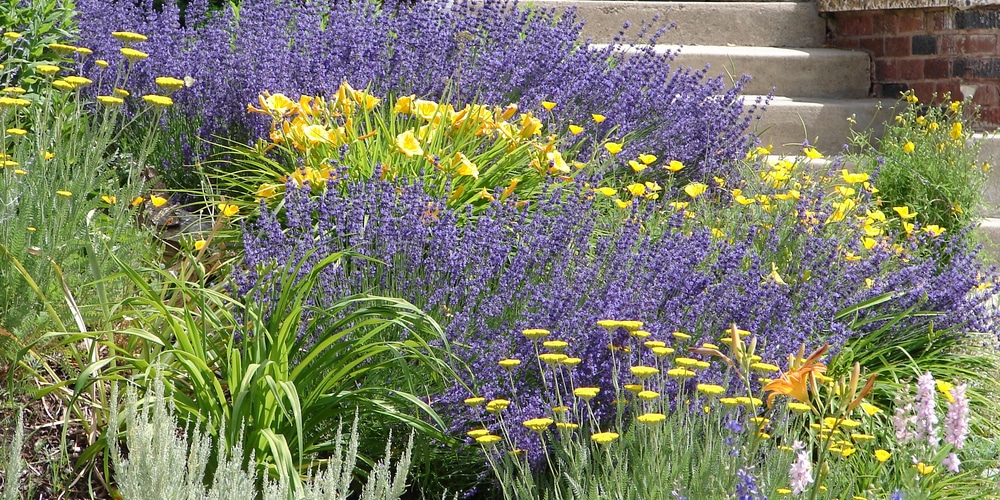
x=560, y=268
x=493, y=53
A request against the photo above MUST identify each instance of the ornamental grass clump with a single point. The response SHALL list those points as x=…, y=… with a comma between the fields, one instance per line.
x=492, y=53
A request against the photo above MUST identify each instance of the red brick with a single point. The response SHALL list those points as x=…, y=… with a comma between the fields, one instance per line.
x=951, y=44
x=854, y=25
x=847, y=43
x=937, y=68
x=897, y=46
x=987, y=96
x=990, y=116
x=911, y=21
x=885, y=24
x=923, y=90
x=980, y=44
x=949, y=87
x=943, y=21
x=896, y=70
x=874, y=45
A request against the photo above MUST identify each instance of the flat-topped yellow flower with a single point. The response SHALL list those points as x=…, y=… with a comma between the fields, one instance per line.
x=555, y=345
x=17, y=131
x=13, y=90
x=680, y=335
x=79, y=81
x=475, y=401
x=101, y=63
x=133, y=55
x=552, y=358
x=662, y=351
x=509, y=364
x=11, y=35
x=475, y=433
x=604, y=437
x=84, y=51
x=128, y=36
x=488, y=439
x=648, y=395
x=161, y=101
x=535, y=333
x=538, y=424
x=64, y=193
x=571, y=362
x=567, y=425
x=689, y=362
x=606, y=191
x=169, y=83
x=654, y=343
x=643, y=372
x=497, y=405
x=680, y=373
x=62, y=48
x=108, y=100
x=764, y=367
x=710, y=389
x=651, y=418
x=586, y=393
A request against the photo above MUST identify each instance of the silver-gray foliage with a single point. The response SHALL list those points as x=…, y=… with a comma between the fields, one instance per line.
x=12, y=469
x=162, y=463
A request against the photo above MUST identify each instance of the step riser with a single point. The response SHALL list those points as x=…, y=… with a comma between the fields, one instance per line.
x=786, y=124
x=827, y=73
x=769, y=24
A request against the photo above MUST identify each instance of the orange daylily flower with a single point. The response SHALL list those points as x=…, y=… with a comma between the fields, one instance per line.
x=795, y=382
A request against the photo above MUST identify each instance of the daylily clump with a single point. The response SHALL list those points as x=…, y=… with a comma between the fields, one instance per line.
x=476, y=154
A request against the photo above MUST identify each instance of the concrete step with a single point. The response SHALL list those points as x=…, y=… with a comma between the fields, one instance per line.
x=763, y=24
x=803, y=72
x=990, y=152
x=788, y=122
x=989, y=231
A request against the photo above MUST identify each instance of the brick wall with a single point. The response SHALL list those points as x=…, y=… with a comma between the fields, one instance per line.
x=928, y=50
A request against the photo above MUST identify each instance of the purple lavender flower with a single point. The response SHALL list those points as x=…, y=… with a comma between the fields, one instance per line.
x=493, y=52
x=746, y=486
x=800, y=473
x=956, y=422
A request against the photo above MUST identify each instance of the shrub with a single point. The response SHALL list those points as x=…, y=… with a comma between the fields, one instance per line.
x=927, y=160
x=558, y=267
x=494, y=54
